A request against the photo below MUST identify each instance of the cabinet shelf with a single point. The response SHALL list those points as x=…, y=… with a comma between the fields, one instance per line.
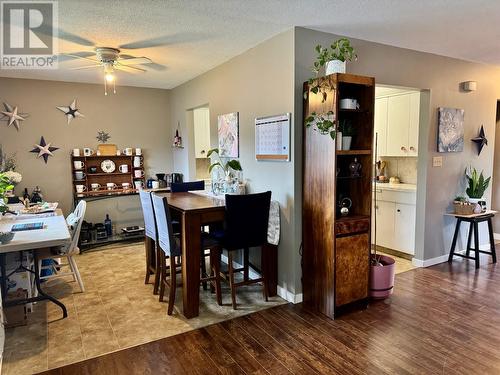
x=353, y=110
x=354, y=152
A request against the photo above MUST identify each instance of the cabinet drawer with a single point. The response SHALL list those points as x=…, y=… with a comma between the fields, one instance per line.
x=397, y=196
x=351, y=225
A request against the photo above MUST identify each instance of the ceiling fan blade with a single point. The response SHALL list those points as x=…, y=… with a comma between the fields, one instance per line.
x=86, y=67
x=128, y=69
x=135, y=61
x=164, y=40
x=155, y=66
x=65, y=35
x=78, y=56
x=75, y=55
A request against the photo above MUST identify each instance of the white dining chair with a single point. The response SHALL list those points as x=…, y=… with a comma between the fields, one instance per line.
x=58, y=254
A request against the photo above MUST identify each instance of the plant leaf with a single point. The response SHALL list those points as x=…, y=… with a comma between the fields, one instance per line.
x=234, y=164
x=212, y=166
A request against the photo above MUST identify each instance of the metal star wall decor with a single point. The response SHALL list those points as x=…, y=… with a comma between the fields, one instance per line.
x=12, y=115
x=480, y=140
x=102, y=136
x=44, y=149
x=71, y=112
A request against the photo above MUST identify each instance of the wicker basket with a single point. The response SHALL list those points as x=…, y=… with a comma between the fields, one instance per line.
x=464, y=209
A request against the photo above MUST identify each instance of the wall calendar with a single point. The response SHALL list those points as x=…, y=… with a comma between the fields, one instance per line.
x=272, y=138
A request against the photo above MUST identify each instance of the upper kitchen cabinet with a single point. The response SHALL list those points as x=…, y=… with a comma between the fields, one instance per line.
x=397, y=123
x=201, y=117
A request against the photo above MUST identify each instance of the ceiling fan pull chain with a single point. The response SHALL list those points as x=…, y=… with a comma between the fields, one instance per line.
x=105, y=87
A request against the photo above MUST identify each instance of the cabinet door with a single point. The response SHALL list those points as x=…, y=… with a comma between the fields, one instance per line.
x=414, y=124
x=381, y=126
x=404, y=229
x=351, y=268
x=385, y=224
x=398, y=125
x=201, y=132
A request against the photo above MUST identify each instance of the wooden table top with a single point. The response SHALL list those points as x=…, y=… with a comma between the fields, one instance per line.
x=192, y=202
x=472, y=216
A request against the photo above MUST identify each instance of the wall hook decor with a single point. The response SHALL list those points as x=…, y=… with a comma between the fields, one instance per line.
x=12, y=115
x=71, y=111
x=102, y=136
x=480, y=140
x=44, y=149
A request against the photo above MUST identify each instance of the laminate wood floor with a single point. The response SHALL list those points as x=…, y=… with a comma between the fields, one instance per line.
x=440, y=320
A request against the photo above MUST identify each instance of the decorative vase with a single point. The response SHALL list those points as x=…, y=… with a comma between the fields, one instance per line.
x=339, y=140
x=335, y=66
x=382, y=277
x=480, y=204
x=346, y=142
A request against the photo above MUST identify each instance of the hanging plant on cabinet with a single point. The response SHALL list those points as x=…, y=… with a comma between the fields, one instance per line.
x=339, y=53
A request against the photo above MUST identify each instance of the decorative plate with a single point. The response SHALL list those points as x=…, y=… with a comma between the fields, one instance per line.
x=108, y=166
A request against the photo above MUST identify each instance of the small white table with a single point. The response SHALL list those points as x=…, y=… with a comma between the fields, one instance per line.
x=54, y=233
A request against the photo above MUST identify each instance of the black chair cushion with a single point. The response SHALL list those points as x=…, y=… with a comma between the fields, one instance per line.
x=183, y=187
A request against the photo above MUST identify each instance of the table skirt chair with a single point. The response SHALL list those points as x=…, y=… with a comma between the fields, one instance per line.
x=55, y=268
x=150, y=240
x=170, y=258
x=245, y=226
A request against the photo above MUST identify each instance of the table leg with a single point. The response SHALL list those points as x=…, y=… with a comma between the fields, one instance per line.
x=270, y=268
x=3, y=281
x=476, y=242
x=492, y=241
x=454, y=242
x=469, y=239
x=191, y=245
x=42, y=293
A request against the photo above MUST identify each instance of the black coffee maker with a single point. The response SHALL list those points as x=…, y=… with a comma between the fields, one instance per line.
x=176, y=178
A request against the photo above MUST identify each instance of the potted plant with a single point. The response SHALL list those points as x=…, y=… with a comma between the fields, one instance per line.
x=334, y=58
x=324, y=123
x=477, y=185
x=228, y=167
x=5, y=188
x=345, y=126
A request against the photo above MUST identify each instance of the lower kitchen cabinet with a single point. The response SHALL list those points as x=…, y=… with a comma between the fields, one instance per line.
x=395, y=221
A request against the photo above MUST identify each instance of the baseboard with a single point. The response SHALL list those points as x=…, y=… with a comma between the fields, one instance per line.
x=443, y=258
x=282, y=292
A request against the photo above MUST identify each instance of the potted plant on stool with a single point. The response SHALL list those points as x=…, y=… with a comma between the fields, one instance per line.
x=477, y=185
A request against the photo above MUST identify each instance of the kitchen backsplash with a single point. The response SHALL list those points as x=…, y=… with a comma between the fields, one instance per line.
x=404, y=168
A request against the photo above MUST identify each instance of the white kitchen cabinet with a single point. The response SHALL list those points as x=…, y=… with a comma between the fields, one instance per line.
x=414, y=124
x=397, y=119
x=201, y=132
x=385, y=223
x=396, y=213
x=398, y=125
x=404, y=228
x=381, y=125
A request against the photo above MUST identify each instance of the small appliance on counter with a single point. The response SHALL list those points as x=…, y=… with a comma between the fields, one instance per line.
x=176, y=178
x=100, y=230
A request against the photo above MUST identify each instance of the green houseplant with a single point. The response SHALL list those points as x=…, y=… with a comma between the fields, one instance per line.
x=324, y=123
x=227, y=167
x=477, y=184
x=5, y=187
x=347, y=129
x=335, y=57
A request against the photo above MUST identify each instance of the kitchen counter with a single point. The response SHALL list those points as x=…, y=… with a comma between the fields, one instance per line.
x=396, y=187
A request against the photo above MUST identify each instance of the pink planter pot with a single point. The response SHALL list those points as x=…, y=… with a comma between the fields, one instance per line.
x=382, y=277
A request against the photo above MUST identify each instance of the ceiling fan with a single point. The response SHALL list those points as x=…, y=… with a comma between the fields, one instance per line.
x=110, y=60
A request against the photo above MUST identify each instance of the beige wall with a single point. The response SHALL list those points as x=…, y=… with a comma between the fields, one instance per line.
x=257, y=83
x=495, y=196
x=133, y=117
x=442, y=76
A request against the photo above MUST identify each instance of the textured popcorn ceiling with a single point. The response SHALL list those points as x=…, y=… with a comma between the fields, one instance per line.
x=191, y=37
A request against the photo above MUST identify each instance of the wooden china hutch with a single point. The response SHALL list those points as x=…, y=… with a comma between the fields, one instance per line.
x=336, y=247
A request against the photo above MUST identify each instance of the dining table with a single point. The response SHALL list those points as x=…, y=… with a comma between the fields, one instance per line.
x=195, y=211
x=54, y=232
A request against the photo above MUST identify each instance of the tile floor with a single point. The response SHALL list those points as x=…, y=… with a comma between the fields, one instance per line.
x=117, y=310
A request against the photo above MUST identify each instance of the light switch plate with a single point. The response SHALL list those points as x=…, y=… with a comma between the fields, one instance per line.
x=437, y=161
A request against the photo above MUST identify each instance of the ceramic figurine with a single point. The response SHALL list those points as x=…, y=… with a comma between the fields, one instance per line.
x=355, y=168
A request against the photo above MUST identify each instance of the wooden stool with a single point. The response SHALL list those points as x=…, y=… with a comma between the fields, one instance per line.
x=474, y=220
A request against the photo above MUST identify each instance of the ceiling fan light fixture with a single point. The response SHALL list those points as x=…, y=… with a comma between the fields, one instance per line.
x=109, y=77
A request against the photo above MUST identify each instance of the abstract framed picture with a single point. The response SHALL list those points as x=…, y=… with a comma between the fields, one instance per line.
x=450, y=129
x=228, y=132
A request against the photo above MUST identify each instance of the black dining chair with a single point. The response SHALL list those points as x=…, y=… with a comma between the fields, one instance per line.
x=245, y=226
x=150, y=240
x=170, y=247
x=183, y=187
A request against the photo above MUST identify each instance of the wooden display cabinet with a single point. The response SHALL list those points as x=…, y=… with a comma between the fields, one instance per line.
x=102, y=178
x=336, y=248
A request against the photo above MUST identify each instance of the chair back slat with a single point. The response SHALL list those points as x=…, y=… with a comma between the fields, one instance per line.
x=166, y=239
x=148, y=213
x=183, y=187
x=75, y=220
x=246, y=220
